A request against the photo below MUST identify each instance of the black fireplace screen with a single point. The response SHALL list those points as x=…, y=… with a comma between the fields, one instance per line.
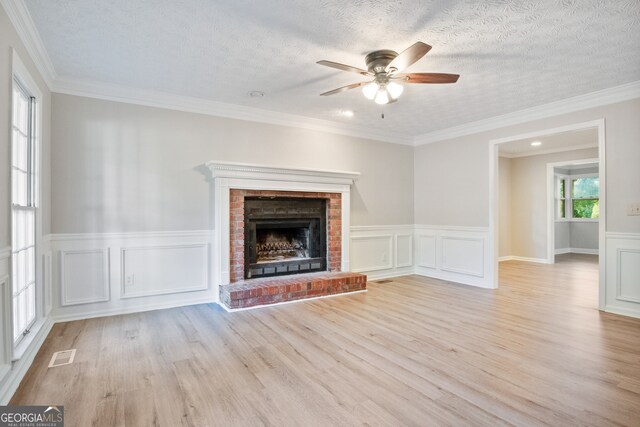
x=284, y=236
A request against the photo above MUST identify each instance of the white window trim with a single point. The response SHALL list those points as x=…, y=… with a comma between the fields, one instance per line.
x=569, y=199
x=558, y=177
x=22, y=74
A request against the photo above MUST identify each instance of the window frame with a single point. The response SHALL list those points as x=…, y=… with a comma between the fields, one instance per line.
x=21, y=77
x=571, y=198
x=568, y=187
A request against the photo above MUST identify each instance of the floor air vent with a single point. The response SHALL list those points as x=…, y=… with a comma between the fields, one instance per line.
x=384, y=281
x=61, y=358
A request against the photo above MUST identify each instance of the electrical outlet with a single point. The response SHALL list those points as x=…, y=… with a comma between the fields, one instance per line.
x=633, y=209
x=128, y=280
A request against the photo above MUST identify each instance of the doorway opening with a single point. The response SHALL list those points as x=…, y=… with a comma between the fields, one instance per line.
x=547, y=187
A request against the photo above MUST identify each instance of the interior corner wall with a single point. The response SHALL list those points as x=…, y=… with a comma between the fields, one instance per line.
x=128, y=168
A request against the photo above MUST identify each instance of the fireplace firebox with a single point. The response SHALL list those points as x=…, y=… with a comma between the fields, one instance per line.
x=284, y=236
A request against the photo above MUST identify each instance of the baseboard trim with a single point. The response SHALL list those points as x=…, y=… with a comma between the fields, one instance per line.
x=524, y=259
x=129, y=310
x=453, y=278
x=20, y=367
x=577, y=251
x=622, y=311
x=379, y=275
x=233, y=310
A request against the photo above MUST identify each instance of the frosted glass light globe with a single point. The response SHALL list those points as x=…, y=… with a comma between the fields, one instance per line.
x=394, y=89
x=370, y=90
x=382, y=97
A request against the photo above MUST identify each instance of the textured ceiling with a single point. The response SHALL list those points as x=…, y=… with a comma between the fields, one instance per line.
x=511, y=55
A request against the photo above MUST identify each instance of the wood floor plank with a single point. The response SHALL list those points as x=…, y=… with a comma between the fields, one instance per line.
x=413, y=351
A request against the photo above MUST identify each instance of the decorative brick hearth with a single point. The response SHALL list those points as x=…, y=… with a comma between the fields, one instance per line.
x=254, y=292
x=237, y=226
x=231, y=184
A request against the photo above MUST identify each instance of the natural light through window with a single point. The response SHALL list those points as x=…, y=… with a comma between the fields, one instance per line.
x=577, y=197
x=23, y=198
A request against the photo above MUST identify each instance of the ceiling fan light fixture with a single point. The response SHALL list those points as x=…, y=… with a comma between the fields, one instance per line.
x=370, y=90
x=394, y=89
x=382, y=97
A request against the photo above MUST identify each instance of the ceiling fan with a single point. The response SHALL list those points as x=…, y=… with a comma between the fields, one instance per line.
x=386, y=66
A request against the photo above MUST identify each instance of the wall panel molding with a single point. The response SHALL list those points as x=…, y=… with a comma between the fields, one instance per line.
x=372, y=253
x=622, y=294
x=467, y=254
x=382, y=251
x=170, y=268
x=184, y=270
x=77, y=276
x=403, y=253
x=456, y=254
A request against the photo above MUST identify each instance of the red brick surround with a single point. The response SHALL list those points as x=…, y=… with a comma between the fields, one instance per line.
x=271, y=290
x=236, y=205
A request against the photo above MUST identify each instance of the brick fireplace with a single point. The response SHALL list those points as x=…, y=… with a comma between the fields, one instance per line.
x=281, y=234
x=240, y=238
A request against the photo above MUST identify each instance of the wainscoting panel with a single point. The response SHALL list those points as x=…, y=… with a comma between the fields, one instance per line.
x=426, y=250
x=464, y=255
x=404, y=250
x=382, y=251
x=157, y=270
x=371, y=253
x=623, y=273
x=115, y=273
x=457, y=254
x=84, y=275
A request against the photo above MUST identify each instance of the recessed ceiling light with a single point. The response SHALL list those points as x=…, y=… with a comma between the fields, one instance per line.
x=256, y=94
x=346, y=113
x=536, y=143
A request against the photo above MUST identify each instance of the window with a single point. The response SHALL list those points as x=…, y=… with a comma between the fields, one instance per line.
x=577, y=197
x=585, y=201
x=23, y=211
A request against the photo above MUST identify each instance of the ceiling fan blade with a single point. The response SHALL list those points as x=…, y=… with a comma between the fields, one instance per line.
x=344, y=67
x=343, y=88
x=427, y=77
x=409, y=56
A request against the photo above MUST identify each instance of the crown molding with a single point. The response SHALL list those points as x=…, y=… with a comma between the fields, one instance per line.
x=21, y=19
x=549, y=151
x=582, y=102
x=117, y=93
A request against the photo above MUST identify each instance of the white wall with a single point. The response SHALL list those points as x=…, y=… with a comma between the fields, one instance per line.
x=127, y=168
x=458, y=168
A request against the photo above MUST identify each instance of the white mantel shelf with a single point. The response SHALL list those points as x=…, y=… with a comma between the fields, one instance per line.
x=279, y=173
x=226, y=176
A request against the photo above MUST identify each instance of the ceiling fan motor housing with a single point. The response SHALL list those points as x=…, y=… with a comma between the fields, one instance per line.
x=378, y=60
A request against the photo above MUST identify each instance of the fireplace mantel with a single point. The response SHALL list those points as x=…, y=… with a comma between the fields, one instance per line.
x=253, y=171
x=228, y=175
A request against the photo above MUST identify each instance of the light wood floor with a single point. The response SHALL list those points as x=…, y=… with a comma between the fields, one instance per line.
x=414, y=351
